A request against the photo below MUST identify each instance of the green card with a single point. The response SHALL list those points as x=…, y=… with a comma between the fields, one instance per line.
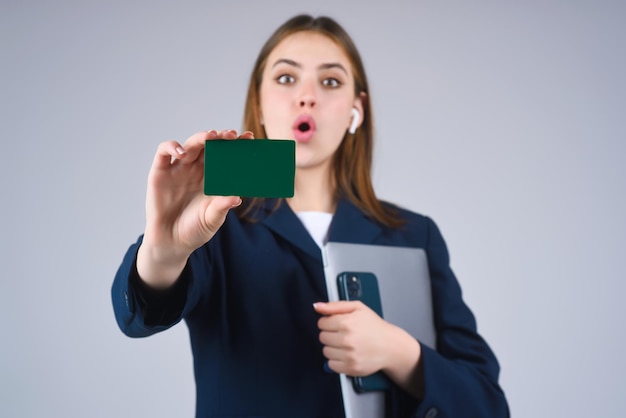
x=249, y=167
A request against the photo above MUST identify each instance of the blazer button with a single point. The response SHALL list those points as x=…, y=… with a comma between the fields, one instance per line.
x=431, y=413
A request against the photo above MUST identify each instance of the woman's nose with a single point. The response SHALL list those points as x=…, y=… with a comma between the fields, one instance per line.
x=307, y=97
x=307, y=101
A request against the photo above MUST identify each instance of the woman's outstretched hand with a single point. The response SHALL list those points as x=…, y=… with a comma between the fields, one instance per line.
x=179, y=217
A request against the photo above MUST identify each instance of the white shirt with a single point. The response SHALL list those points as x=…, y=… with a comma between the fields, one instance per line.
x=317, y=223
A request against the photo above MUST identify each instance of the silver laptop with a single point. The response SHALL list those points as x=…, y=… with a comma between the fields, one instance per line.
x=405, y=294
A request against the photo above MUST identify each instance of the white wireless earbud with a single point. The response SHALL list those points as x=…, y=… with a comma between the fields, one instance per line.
x=356, y=116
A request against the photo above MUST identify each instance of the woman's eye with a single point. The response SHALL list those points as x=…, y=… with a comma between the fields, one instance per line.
x=285, y=79
x=331, y=82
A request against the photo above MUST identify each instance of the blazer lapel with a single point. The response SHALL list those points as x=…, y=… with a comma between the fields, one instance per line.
x=351, y=225
x=284, y=222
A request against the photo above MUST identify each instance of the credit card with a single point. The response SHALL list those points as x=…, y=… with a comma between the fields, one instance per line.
x=249, y=167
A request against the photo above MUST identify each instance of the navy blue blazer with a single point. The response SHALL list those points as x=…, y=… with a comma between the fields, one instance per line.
x=247, y=297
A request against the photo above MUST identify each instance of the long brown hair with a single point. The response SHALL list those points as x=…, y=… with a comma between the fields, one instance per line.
x=352, y=162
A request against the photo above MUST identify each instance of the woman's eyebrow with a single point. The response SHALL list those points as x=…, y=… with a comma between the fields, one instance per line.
x=321, y=67
x=286, y=61
x=333, y=65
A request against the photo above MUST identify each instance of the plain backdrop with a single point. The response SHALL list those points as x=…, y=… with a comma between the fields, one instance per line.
x=502, y=120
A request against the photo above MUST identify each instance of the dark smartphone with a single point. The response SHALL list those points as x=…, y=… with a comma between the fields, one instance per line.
x=364, y=287
x=249, y=167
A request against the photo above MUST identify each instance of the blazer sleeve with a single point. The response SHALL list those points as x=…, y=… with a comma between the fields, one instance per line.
x=461, y=376
x=141, y=311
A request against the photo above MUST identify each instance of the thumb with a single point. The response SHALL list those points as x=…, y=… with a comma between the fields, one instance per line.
x=336, y=307
x=217, y=210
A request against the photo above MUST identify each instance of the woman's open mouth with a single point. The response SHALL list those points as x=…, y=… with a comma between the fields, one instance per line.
x=303, y=128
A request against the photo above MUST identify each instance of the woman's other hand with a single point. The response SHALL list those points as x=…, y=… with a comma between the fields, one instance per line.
x=358, y=342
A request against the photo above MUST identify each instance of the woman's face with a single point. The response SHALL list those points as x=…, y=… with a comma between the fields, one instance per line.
x=307, y=94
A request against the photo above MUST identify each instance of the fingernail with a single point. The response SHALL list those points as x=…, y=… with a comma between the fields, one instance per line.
x=180, y=150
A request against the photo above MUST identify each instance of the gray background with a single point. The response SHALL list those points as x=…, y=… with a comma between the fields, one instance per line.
x=504, y=121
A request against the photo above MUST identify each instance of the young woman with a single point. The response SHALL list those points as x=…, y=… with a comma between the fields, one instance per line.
x=247, y=276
